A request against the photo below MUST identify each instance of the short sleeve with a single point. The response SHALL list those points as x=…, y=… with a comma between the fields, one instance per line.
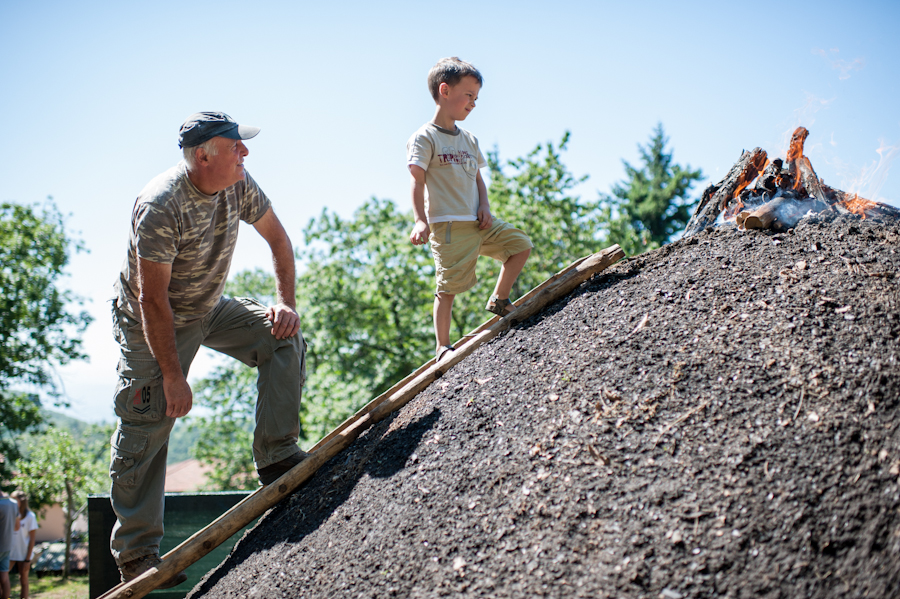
x=419, y=151
x=156, y=232
x=254, y=203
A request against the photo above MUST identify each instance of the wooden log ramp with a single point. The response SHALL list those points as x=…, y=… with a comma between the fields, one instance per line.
x=256, y=504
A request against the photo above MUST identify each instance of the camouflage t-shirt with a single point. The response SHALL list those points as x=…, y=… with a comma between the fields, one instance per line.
x=174, y=223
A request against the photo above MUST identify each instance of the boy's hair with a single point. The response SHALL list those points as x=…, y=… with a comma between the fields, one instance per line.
x=450, y=71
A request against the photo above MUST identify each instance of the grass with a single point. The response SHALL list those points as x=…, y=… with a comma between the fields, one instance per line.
x=52, y=587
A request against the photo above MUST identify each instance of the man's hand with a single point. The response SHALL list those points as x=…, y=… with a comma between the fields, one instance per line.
x=179, y=397
x=485, y=218
x=285, y=321
x=420, y=233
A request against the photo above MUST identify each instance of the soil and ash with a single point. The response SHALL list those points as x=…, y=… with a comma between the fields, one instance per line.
x=717, y=418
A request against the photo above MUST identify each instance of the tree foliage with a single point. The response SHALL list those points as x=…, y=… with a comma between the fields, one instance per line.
x=226, y=426
x=19, y=413
x=651, y=205
x=58, y=469
x=37, y=329
x=364, y=299
x=533, y=193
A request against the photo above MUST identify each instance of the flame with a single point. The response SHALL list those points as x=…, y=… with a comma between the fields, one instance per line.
x=795, y=154
x=734, y=210
x=858, y=205
x=797, y=141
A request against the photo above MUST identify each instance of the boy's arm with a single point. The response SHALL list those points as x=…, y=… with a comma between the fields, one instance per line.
x=485, y=220
x=421, y=230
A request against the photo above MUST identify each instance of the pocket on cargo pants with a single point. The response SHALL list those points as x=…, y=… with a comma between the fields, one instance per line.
x=128, y=447
x=140, y=400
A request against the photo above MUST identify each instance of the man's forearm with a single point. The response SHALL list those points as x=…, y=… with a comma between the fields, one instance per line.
x=285, y=273
x=159, y=331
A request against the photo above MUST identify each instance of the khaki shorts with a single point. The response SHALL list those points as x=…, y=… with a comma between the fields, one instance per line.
x=457, y=245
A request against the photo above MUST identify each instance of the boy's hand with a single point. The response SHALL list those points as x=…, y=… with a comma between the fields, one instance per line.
x=420, y=233
x=485, y=219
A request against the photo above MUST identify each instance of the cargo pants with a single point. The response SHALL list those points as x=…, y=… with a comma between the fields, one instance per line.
x=237, y=327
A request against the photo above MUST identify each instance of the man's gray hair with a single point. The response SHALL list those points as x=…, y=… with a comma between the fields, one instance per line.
x=209, y=146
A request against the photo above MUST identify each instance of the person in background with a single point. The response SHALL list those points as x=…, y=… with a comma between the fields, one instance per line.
x=23, y=541
x=9, y=524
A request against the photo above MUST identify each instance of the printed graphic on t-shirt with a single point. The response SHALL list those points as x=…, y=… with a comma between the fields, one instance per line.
x=450, y=156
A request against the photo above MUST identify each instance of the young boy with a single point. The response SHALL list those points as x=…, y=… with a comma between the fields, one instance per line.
x=450, y=200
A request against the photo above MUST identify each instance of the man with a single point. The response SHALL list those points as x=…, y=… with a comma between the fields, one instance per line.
x=9, y=523
x=169, y=302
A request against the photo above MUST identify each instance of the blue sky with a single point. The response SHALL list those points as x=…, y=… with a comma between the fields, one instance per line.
x=94, y=92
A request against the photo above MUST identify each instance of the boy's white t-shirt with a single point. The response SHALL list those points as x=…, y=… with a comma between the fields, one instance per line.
x=451, y=161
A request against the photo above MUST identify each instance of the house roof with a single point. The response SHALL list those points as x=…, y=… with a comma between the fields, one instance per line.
x=184, y=477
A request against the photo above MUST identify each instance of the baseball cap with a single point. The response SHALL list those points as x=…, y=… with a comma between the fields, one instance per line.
x=203, y=126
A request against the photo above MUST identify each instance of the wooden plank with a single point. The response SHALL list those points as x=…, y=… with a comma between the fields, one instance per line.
x=256, y=504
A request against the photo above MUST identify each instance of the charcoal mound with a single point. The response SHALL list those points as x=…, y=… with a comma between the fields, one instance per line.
x=717, y=418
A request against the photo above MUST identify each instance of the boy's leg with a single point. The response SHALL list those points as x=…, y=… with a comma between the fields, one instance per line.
x=443, y=310
x=509, y=246
x=509, y=272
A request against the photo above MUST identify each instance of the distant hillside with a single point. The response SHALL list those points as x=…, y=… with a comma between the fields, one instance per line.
x=97, y=435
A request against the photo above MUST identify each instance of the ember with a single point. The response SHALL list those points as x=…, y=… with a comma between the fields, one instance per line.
x=782, y=192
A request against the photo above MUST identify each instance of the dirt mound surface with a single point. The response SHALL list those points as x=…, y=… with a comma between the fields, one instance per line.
x=717, y=418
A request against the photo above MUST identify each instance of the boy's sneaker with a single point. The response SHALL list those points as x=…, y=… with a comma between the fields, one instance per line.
x=273, y=472
x=131, y=570
x=500, y=307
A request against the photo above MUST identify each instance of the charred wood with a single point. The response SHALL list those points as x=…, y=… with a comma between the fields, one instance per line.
x=780, y=214
x=719, y=197
x=808, y=178
x=768, y=180
x=851, y=203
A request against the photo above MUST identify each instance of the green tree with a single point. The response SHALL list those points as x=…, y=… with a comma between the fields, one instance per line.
x=364, y=300
x=651, y=205
x=58, y=469
x=37, y=329
x=225, y=428
x=535, y=194
x=19, y=413
x=365, y=296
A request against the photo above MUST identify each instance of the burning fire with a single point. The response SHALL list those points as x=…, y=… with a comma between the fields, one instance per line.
x=783, y=193
x=858, y=205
